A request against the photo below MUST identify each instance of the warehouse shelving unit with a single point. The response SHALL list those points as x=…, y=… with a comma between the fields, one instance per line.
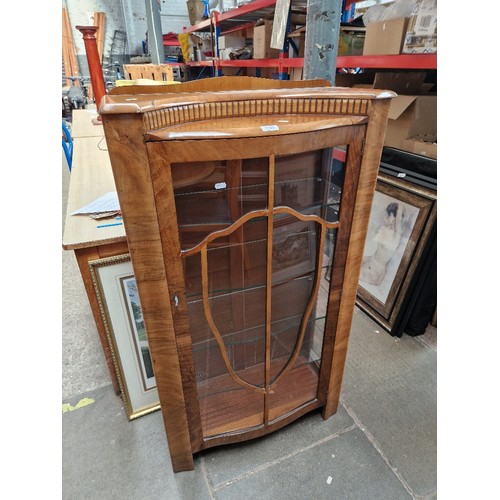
x=247, y=15
x=243, y=17
x=236, y=19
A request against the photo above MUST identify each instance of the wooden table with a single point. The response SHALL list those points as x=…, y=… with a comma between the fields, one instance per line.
x=91, y=177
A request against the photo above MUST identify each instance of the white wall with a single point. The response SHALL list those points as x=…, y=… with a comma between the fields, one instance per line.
x=174, y=15
x=124, y=15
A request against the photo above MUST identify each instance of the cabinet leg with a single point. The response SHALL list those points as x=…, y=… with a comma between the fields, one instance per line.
x=329, y=410
x=181, y=463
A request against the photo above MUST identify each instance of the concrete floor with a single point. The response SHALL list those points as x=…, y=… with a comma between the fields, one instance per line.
x=381, y=443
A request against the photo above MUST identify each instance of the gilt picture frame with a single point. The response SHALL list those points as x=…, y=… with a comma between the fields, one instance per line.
x=116, y=291
x=402, y=219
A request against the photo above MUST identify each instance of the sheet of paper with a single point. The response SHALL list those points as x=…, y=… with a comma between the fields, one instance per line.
x=106, y=203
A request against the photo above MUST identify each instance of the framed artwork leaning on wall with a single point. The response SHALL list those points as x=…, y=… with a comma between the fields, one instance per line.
x=116, y=290
x=400, y=230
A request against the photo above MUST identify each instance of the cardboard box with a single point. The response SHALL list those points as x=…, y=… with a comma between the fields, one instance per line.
x=410, y=116
x=423, y=145
x=385, y=37
x=228, y=71
x=262, y=40
x=270, y=73
x=231, y=42
x=421, y=34
x=403, y=83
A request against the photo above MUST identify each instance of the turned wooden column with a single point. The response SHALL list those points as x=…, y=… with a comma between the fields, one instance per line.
x=94, y=62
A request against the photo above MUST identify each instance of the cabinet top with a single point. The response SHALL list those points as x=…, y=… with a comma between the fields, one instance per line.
x=140, y=99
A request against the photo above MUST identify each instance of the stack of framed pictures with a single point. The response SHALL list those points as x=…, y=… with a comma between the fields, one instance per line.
x=397, y=285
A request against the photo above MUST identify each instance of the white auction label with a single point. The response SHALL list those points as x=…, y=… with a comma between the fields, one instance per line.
x=269, y=128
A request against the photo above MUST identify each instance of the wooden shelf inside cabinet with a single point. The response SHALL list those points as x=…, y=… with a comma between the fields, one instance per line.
x=247, y=267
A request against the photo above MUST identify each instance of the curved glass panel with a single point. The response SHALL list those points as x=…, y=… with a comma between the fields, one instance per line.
x=310, y=182
x=293, y=274
x=211, y=195
x=257, y=309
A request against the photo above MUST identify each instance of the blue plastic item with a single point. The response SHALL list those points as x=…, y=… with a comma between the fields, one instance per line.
x=67, y=144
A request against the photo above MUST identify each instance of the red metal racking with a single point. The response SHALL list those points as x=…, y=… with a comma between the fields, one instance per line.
x=248, y=14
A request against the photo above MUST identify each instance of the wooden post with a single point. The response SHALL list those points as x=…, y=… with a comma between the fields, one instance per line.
x=95, y=68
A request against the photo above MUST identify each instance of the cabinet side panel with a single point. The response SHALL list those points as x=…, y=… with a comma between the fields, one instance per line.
x=366, y=189
x=124, y=136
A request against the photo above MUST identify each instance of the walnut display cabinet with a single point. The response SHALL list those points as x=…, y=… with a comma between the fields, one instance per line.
x=245, y=203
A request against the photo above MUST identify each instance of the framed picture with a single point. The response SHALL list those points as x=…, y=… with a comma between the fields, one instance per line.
x=402, y=221
x=116, y=292
x=294, y=249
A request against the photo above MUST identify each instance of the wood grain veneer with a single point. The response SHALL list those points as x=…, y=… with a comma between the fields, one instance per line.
x=235, y=130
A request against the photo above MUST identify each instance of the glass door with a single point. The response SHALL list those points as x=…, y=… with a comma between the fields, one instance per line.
x=257, y=236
